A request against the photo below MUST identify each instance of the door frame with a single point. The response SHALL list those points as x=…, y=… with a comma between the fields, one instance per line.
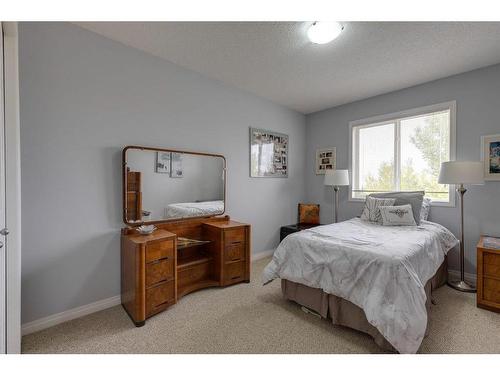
x=3, y=215
x=12, y=186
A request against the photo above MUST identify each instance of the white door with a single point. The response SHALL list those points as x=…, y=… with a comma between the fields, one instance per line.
x=10, y=192
x=3, y=240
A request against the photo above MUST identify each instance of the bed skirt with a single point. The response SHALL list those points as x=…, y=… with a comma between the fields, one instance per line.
x=345, y=313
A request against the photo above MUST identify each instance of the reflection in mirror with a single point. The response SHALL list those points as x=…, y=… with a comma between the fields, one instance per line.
x=165, y=185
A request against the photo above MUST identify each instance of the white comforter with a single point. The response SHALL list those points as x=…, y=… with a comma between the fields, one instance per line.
x=190, y=209
x=381, y=269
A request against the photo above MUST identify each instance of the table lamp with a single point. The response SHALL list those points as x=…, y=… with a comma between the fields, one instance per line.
x=336, y=178
x=460, y=173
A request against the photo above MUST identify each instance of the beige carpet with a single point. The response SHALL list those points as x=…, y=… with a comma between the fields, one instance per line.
x=251, y=318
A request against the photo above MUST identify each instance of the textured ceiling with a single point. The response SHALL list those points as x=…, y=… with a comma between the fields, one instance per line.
x=276, y=61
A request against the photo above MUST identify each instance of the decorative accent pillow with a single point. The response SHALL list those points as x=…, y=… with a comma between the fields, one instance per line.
x=308, y=213
x=371, y=211
x=397, y=215
x=414, y=198
x=426, y=208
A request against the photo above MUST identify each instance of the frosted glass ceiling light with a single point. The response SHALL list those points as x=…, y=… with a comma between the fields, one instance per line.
x=324, y=32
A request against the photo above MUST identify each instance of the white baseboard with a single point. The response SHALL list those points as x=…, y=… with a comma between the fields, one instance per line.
x=469, y=277
x=262, y=254
x=77, y=312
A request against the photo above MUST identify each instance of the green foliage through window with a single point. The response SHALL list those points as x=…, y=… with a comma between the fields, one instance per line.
x=424, y=145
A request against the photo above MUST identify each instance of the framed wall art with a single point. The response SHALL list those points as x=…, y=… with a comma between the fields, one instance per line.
x=162, y=162
x=326, y=158
x=176, y=165
x=491, y=156
x=268, y=153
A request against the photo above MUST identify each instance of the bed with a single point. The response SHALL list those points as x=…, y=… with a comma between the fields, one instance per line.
x=366, y=276
x=194, y=209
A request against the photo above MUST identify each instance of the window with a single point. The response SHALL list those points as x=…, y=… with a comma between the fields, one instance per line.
x=403, y=151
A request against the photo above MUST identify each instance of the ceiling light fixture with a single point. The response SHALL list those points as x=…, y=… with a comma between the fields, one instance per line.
x=324, y=32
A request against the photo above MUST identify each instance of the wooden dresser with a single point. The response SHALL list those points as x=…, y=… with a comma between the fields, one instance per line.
x=179, y=258
x=488, y=277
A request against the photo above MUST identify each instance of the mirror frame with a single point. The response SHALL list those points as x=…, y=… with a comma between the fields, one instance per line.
x=157, y=149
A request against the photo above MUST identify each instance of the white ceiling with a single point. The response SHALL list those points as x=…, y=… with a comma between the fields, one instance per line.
x=276, y=61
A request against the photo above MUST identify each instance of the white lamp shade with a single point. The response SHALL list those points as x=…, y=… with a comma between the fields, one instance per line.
x=337, y=177
x=461, y=172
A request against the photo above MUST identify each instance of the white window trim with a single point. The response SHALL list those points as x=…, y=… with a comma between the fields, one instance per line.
x=414, y=112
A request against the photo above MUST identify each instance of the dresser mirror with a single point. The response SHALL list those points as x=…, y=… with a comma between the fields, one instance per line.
x=162, y=185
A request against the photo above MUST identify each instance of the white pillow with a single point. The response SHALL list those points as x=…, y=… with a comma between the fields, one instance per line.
x=397, y=215
x=426, y=208
x=371, y=211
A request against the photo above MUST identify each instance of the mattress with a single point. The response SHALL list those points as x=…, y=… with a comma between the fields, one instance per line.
x=382, y=270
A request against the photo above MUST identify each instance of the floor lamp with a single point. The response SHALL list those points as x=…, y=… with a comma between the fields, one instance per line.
x=336, y=178
x=460, y=173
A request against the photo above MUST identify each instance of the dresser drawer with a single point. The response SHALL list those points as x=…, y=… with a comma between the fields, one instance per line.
x=193, y=274
x=491, y=259
x=159, y=270
x=159, y=250
x=491, y=290
x=159, y=297
x=234, y=272
x=491, y=270
x=234, y=236
x=234, y=251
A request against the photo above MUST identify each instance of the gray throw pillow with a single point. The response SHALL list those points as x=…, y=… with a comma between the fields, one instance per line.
x=371, y=210
x=413, y=198
x=426, y=208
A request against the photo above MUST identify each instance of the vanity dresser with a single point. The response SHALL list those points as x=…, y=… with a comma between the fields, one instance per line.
x=194, y=246
x=488, y=276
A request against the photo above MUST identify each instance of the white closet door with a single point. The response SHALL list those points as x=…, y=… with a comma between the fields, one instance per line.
x=3, y=241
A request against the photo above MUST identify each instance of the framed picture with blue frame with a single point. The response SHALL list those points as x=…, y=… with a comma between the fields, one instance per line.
x=491, y=157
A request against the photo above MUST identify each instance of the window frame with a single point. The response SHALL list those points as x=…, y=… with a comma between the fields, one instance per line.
x=397, y=117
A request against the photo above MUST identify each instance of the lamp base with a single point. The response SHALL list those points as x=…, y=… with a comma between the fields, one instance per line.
x=462, y=286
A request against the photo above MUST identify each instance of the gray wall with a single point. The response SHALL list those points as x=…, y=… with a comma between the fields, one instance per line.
x=478, y=113
x=84, y=97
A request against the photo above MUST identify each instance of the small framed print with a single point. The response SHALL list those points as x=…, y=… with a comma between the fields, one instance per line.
x=326, y=159
x=176, y=165
x=163, y=162
x=491, y=156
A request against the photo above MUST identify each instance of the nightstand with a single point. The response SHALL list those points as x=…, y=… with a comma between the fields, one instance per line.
x=488, y=277
x=289, y=229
